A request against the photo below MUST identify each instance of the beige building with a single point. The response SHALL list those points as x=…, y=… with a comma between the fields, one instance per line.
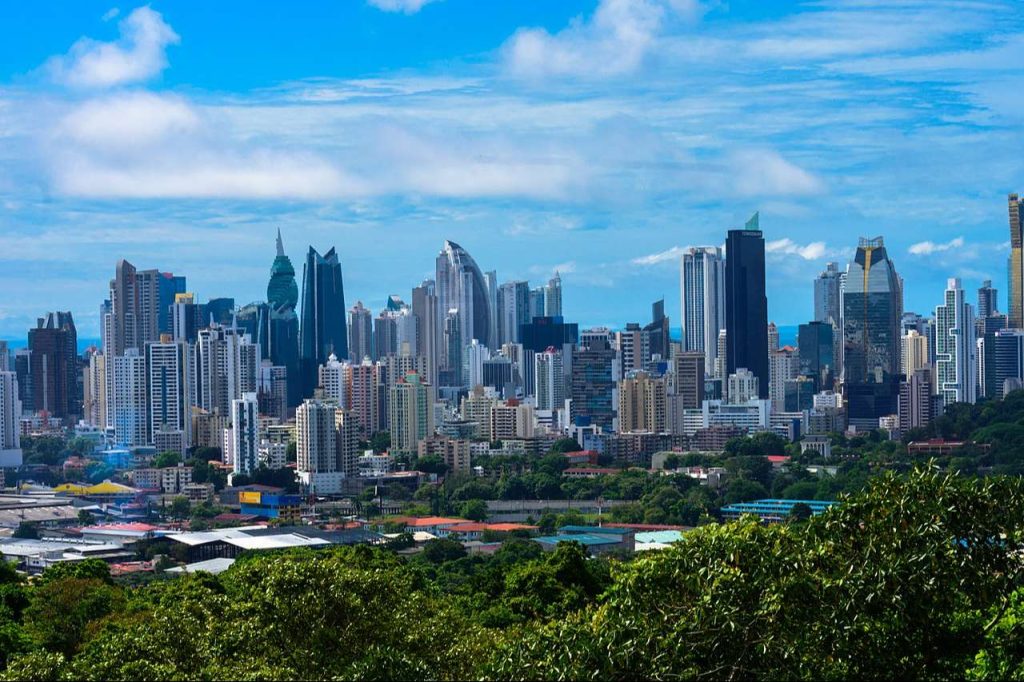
x=643, y=404
x=914, y=355
x=454, y=452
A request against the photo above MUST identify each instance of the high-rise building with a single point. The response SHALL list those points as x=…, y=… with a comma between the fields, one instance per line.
x=168, y=287
x=544, y=332
x=655, y=337
x=168, y=368
x=316, y=447
x=872, y=308
x=553, y=297
x=535, y=303
x=424, y=309
x=127, y=404
x=365, y=392
x=1016, y=262
x=816, y=348
x=914, y=353
x=988, y=300
x=746, y=306
x=219, y=311
x=5, y=357
x=360, y=333
x=324, y=329
x=474, y=354
x=550, y=379
x=955, y=366
x=1002, y=362
x=743, y=386
x=94, y=410
x=593, y=384
x=784, y=365
x=773, y=337
x=643, y=404
x=688, y=373
x=227, y=365
x=334, y=378
x=54, y=346
x=411, y=413
x=828, y=295
x=915, y=401
x=186, y=318
x=513, y=310
x=245, y=433
x=461, y=287
x=23, y=370
x=10, y=421
x=272, y=391
x=283, y=325
x=702, y=291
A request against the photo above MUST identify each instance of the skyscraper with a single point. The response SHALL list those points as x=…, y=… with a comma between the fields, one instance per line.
x=411, y=413
x=168, y=287
x=317, y=452
x=914, y=353
x=553, y=297
x=702, y=291
x=955, y=367
x=746, y=306
x=1016, y=262
x=10, y=421
x=816, y=346
x=245, y=433
x=360, y=332
x=593, y=384
x=988, y=300
x=550, y=379
x=461, y=287
x=643, y=404
x=54, y=346
x=1002, y=366
x=127, y=404
x=828, y=295
x=323, y=330
x=424, y=309
x=513, y=310
x=872, y=307
x=655, y=337
x=168, y=367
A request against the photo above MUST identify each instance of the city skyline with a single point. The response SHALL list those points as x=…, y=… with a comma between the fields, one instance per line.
x=544, y=138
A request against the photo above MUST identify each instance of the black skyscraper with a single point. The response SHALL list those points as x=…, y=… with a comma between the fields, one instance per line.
x=324, y=329
x=746, y=306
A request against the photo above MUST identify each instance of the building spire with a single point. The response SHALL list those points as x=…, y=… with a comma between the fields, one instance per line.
x=280, y=244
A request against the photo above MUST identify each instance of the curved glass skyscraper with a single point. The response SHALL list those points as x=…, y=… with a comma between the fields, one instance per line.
x=462, y=292
x=324, y=329
x=872, y=307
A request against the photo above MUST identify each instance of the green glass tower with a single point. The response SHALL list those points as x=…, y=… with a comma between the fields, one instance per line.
x=283, y=323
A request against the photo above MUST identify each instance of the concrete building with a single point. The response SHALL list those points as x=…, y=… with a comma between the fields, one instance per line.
x=411, y=413
x=245, y=434
x=643, y=404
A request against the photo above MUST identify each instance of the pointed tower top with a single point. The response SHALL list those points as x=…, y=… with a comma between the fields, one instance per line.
x=755, y=222
x=280, y=244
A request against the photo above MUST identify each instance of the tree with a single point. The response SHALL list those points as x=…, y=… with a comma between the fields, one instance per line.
x=431, y=465
x=167, y=458
x=475, y=510
x=61, y=609
x=85, y=517
x=563, y=445
x=442, y=550
x=380, y=441
x=800, y=512
x=180, y=507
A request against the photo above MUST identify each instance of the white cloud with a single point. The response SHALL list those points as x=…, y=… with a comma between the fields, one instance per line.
x=927, y=248
x=110, y=14
x=614, y=41
x=786, y=246
x=138, y=55
x=129, y=120
x=404, y=6
x=765, y=173
x=673, y=255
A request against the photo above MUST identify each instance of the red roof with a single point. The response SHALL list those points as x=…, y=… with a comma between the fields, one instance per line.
x=477, y=527
x=591, y=470
x=778, y=458
x=130, y=567
x=137, y=527
x=645, y=526
x=231, y=516
x=423, y=522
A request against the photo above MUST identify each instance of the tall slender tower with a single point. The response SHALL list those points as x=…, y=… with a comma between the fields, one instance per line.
x=872, y=308
x=955, y=348
x=828, y=295
x=283, y=325
x=553, y=297
x=702, y=292
x=746, y=305
x=1016, y=263
x=324, y=330
x=463, y=291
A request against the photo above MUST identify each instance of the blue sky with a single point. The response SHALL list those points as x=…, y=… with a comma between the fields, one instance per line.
x=595, y=137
